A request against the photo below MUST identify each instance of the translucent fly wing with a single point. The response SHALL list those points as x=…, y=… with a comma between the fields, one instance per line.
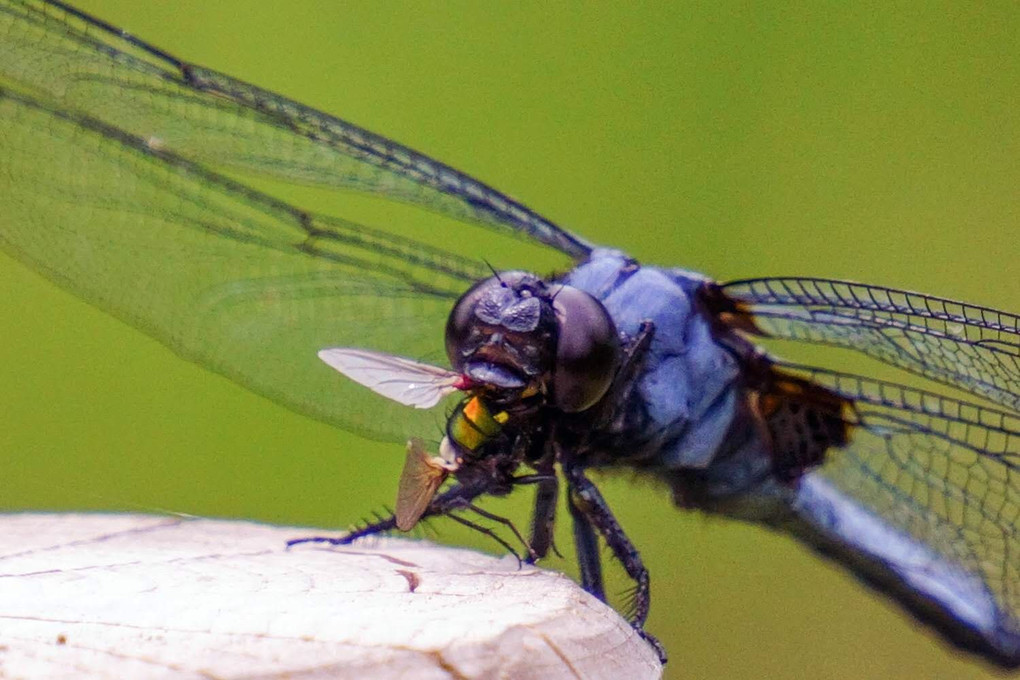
x=230, y=278
x=83, y=65
x=976, y=349
x=924, y=502
x=405, y=381
x=421, y=478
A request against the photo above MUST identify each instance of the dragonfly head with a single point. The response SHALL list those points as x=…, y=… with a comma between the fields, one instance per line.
x=517, y=335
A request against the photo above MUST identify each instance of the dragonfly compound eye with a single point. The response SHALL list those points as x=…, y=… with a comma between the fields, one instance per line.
x=587, y=350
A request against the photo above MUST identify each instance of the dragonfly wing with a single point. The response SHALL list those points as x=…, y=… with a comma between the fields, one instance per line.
x=230, y=278
x=100, y=72
x=924, y=502
x=976, y=349
x=404, y=381
x=117, y=189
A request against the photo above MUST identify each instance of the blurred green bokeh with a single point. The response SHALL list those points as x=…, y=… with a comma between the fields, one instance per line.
x=857, y=141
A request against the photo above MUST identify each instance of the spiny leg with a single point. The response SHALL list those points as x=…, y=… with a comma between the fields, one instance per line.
x=634, y=353
x=589, y=502
x=457, y=496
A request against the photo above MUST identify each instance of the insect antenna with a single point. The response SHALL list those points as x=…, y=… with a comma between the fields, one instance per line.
x=495, y=274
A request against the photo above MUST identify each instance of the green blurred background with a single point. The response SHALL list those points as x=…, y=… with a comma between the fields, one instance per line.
x=868, y=142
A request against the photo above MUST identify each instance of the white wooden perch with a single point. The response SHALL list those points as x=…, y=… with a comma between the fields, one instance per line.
x=133, y=596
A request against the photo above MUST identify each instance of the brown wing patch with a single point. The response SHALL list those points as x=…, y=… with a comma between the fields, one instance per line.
x=802, y=419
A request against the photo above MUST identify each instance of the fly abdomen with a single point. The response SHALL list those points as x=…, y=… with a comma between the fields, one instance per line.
x=472, y=424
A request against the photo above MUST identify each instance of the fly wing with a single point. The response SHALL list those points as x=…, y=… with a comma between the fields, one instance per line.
x=405, y=381
x=421, y=478
x=974, y=348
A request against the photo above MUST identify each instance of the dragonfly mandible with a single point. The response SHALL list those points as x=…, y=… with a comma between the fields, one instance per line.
x=914, y=490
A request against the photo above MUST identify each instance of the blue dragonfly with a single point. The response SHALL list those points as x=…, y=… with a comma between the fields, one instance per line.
x=134, y=188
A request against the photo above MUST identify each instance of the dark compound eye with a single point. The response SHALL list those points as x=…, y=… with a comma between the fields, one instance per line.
x=587, y=351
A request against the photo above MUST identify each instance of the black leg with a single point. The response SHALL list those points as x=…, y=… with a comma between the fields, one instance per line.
x=589, y=503
x=456, y=497
x=488, y=532
x=380, y=526
x=531, y=556
x=587, y=545
x=543, y=520
x=634, y=353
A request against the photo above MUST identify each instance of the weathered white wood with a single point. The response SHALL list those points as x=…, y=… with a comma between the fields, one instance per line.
x=133, y=596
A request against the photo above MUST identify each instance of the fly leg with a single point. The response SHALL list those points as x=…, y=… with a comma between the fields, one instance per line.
x=587, y=501
x=531, y=557
x=633, y=355
x=474, y=526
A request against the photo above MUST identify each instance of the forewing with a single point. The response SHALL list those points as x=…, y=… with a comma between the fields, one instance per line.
x=943, y=471
x=976, y=349
x=406, y=382
x=61, y=54
x=227, y=277
x=113, y=186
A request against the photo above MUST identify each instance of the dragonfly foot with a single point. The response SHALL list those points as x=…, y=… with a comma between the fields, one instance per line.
x=316, y=539
x=654, y=642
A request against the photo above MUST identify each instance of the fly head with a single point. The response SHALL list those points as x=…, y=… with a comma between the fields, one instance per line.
x=520, y=336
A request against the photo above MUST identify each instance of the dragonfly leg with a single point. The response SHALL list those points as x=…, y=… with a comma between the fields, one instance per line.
x=543, y=520
x=456, y=497
x=589, y=503
x=586, y=543
x=634, y=352
x=380, y=526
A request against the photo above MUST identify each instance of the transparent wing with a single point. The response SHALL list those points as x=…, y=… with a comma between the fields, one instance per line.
x=406, y=382
x=56, y=52
x=976, y=349
x=229, y=278
x=422, y=476
x=114, y=180
x=946, y=473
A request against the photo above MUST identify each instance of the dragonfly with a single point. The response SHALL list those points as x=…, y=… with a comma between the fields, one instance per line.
x=131, y=182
